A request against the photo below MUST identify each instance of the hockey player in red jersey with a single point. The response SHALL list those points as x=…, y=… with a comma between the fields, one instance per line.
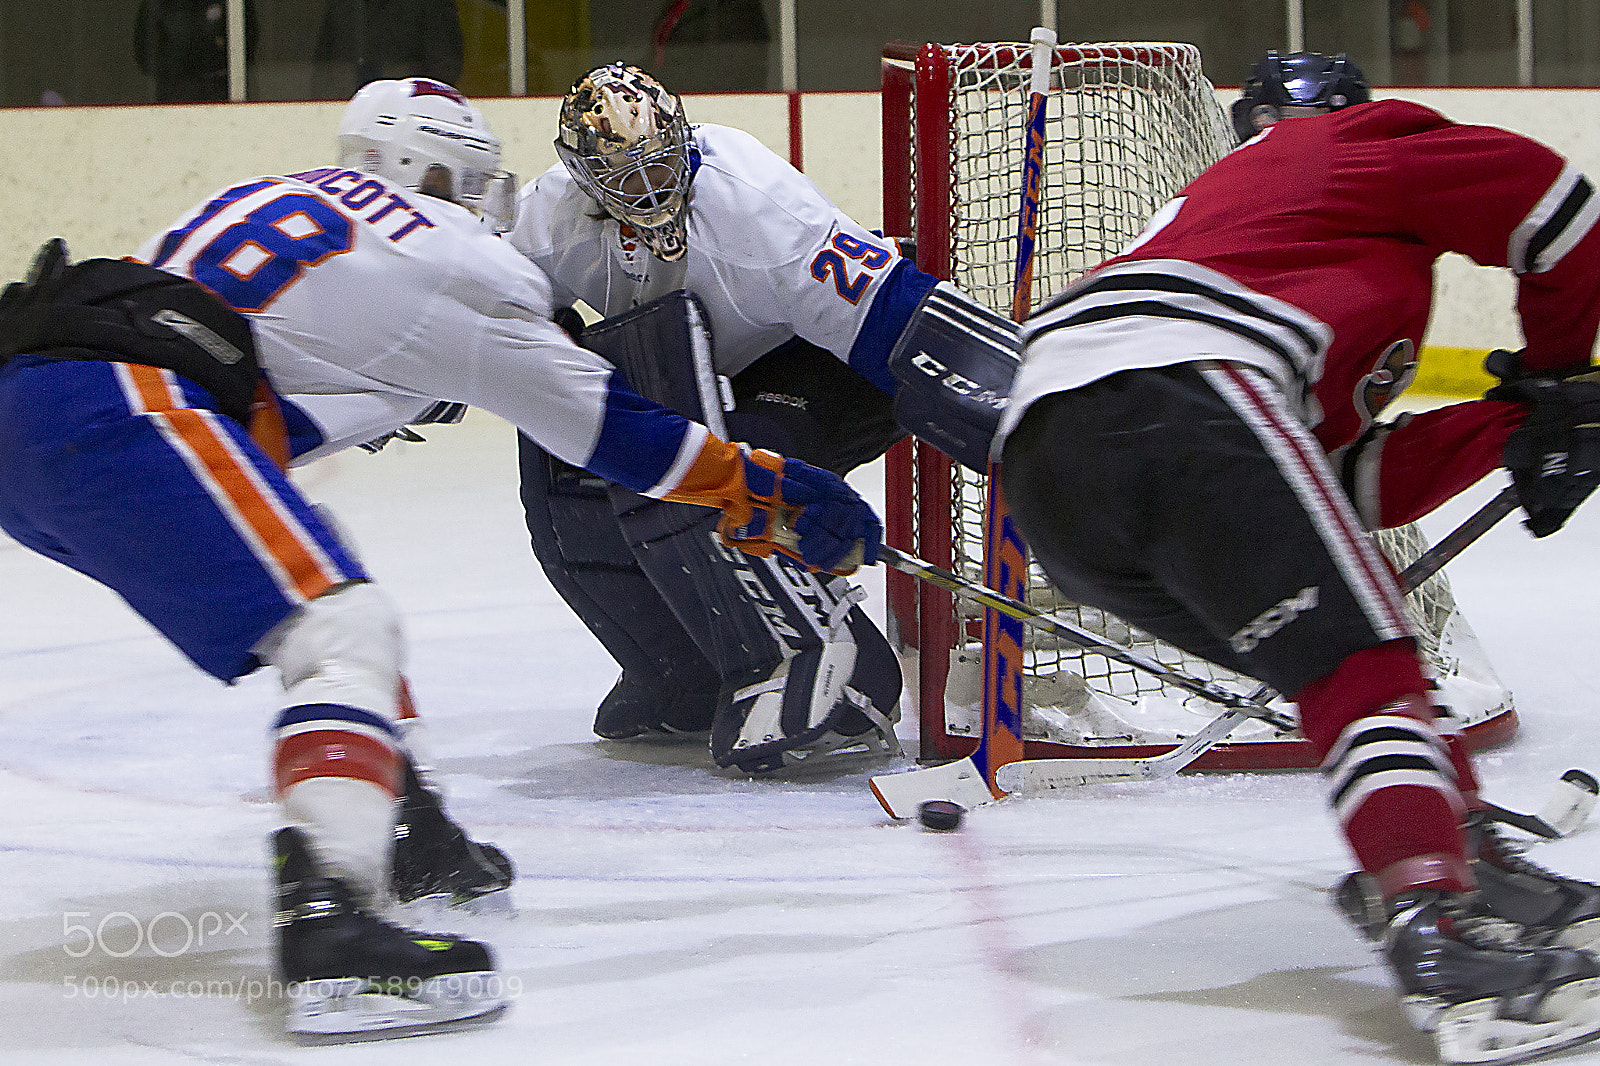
x=1193, y=443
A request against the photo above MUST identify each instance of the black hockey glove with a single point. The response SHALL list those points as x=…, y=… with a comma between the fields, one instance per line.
x=570, y=321
x=444, y=412
x=1554, y=455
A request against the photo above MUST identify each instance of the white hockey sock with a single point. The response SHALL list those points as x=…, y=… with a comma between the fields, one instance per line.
x=350, y=824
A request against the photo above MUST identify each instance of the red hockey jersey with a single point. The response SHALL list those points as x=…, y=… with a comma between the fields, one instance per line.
x=1309, y=253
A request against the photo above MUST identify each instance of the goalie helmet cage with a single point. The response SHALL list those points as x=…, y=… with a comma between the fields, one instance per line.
x=1128, y=126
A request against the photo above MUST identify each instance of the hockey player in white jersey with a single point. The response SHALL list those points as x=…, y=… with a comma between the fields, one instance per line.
x=805, y=306
x=148, y=409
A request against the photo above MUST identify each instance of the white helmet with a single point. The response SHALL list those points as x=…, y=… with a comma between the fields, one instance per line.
x=403, y=130
x=625, y=141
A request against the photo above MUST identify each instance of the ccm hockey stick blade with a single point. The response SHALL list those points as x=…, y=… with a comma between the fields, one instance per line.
x=1567, y=809
x=961, y=781
x=1033, y=775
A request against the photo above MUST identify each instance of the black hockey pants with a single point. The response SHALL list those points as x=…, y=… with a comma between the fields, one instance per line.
x=1190, y=501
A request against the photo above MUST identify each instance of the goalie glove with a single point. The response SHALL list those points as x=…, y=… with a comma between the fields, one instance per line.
x=1554, y=455
x=770, y=503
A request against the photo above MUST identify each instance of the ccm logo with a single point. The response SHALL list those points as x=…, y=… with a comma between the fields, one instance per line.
x=956, y=383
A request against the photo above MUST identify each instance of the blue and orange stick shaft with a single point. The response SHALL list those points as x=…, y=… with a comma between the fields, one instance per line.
x=1005, y=556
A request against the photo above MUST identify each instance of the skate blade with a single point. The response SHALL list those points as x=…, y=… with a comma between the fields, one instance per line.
x=1474, y=1033
x=342, y=1010
x=443, y=905
x=1584, y=935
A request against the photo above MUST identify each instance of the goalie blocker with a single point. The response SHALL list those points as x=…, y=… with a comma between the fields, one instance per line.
x=783, y=663
x=954, y=363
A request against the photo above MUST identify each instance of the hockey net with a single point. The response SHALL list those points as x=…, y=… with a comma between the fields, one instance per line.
x=1128, y=126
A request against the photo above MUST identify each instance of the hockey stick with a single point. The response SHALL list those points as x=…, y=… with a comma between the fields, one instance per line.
x=1005, y=556
x=1565, y=811
x=961, y=781
x=900, y=794
x=1482, y=520
x=964, y=782
x=1083, y=638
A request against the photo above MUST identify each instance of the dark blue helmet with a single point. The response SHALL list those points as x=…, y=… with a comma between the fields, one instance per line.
x=1296, y=79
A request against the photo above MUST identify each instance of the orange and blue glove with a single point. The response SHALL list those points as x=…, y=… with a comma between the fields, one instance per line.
x=770, y=503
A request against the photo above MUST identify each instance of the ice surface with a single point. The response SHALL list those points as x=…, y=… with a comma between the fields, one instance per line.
x=669, y=914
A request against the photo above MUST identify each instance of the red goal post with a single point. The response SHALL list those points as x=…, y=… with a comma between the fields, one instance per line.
x=1128, y=126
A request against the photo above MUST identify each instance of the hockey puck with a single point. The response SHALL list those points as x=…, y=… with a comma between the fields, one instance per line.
x=940, y=815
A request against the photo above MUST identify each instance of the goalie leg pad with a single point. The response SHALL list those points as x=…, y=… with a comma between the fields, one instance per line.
x=664, y=350
x=667, y=685
x=955, y=363
x=841, y=695
x=804, y=670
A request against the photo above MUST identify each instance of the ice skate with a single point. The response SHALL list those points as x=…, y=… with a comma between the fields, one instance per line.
x=654, y=709
x=1485, y=993
x=1550, y=908
x=433, y=856
x=351, y=976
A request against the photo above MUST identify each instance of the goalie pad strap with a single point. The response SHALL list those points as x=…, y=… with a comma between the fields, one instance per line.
x=955, y=362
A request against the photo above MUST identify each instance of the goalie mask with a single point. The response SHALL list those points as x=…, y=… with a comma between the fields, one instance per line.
x=426, y=136
x=1296, y=83
x=625, y=142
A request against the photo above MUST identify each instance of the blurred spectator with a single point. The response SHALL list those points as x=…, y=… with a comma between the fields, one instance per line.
x=712, y=45
x=183, y=44
x=365, y=40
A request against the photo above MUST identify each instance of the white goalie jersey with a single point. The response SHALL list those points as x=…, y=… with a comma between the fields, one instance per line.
x=769, y=255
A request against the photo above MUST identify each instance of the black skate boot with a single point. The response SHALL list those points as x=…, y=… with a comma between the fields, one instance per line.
x=1469, y=978
x=658, y=707
x=1551, y=909
x=351, y=976
x=433, y=856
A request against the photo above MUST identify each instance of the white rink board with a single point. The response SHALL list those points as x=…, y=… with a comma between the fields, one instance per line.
x=107, y=178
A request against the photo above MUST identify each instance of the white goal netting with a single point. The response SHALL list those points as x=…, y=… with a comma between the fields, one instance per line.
x=1127, y=126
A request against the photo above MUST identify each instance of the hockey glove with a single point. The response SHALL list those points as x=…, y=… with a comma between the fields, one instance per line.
x=444, y=412
x=1554, y=455
x=770, y=503
x=807, y=513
